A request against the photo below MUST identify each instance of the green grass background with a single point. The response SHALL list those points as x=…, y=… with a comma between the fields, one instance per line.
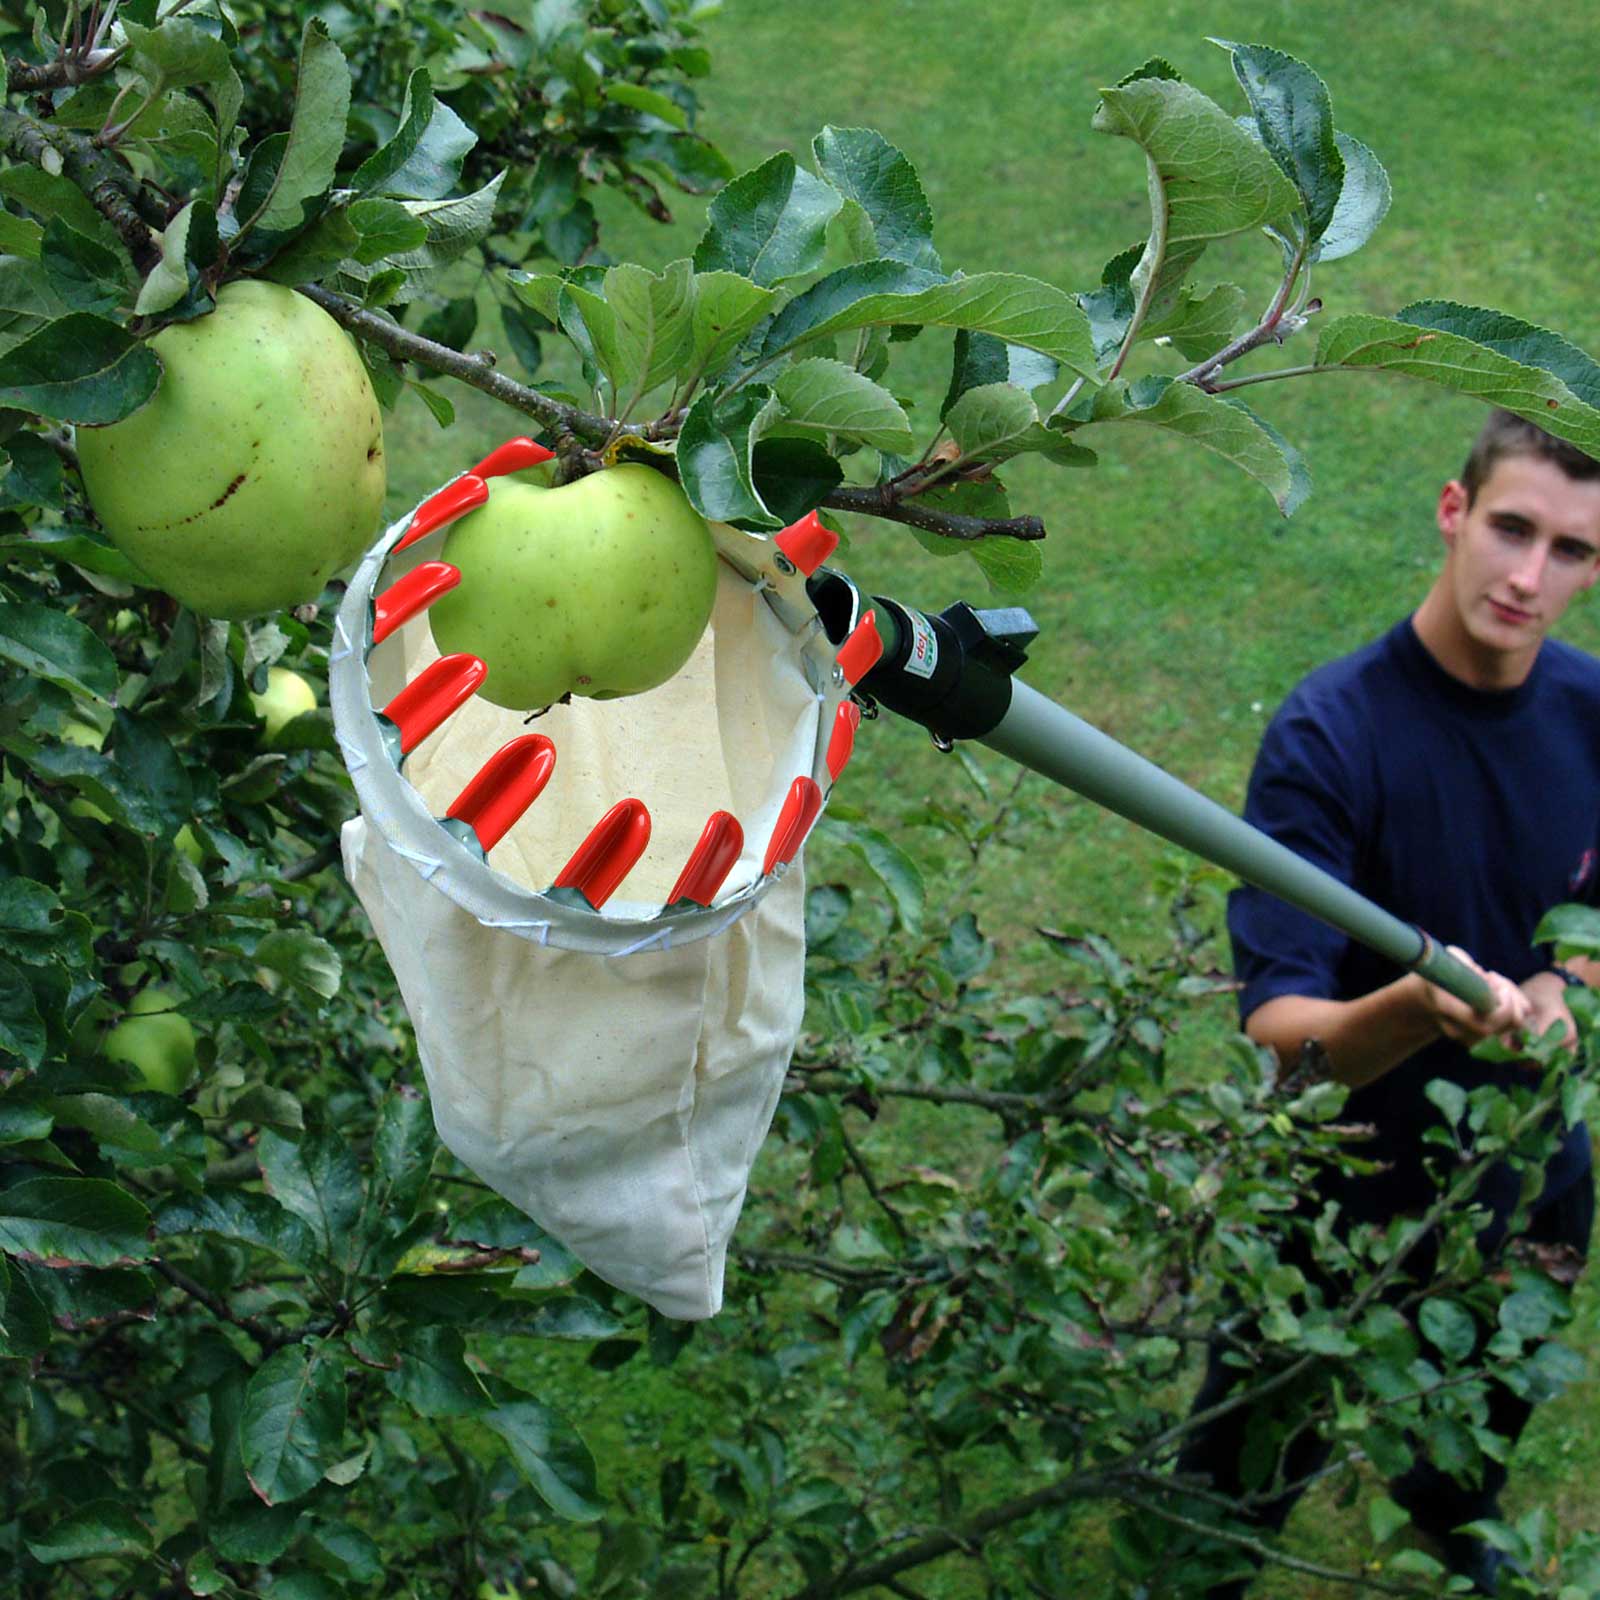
x=1177, y=607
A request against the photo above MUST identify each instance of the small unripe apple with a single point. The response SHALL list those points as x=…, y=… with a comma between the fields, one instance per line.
x=155, y=1041
x=601, y=587
x=256, y=470
x=286, y=696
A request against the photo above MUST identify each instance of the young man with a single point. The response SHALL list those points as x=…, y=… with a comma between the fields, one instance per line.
x=1450, y=771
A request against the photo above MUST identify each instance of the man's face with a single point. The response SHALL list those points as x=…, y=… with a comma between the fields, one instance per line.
x=1527, y=544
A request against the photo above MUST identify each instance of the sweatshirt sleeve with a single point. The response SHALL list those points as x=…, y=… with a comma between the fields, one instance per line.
x=1301, y=795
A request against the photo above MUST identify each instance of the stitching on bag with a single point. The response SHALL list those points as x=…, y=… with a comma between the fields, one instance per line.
x=429, y=864
x=353, y=758
x=663, y=939
x=513, y=923
x=346, y=647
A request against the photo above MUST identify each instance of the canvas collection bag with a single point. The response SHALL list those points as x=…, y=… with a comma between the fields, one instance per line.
x=610, y=1072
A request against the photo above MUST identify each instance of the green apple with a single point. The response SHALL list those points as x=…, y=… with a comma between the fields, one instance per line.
x=286, y=696
x=601, y=587
x=159, y=1047
x=257, y=469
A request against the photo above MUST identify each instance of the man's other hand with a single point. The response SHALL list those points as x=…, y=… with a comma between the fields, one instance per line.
x=1510, y=1018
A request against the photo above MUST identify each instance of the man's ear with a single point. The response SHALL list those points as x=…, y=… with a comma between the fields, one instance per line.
x=1452, y=512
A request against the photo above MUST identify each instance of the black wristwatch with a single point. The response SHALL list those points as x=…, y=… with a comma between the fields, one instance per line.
x=1570, y=979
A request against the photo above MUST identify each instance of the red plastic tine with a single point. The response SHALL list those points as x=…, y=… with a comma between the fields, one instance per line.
x=800, y=810
x=415, y=592
x=807, y=543
x=513, y=456
x=505, y=786
x=455, y=500
x=607, y=856
x=432, y=695
x=862, y=651
x=710, y=861
x=843, y=738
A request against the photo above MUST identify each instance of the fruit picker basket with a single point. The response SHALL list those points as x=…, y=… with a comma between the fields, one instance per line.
x=595, y=914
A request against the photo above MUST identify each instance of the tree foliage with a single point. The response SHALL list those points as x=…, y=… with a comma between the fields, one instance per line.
x=262, y=1336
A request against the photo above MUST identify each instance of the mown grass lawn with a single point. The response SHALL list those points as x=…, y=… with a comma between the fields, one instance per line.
x=1177, y=608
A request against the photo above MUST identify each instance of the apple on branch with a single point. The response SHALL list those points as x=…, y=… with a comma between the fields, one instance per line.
x=256, y=471
x=155, y=1041
x=286, y=696
x=601, y=587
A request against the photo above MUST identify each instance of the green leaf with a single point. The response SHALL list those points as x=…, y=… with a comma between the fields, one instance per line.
x=49, y=195
x=726, y=307
x=88, y=275
x=319, y=1181
x=551, y=1456
x=863, y=166
x=1573, y=929
x=1295, y=117
x=1512, y=337
x=242, y=1216
x=109, y=1121
x=715, y=448
x=433, y=1378
x=1449, y=1327
x=46, y=643
x=828, y=397
x=640, y=325
x=1209, y=420
x=650, y=101
x=1448, y=355
x=1385, y=1519
x=793, y=476
x=385, y=228
x=80, y=369
x=986, y=420
x=1012, y=566
x=101, y=1528
x=893, y=868
x=306, y=960
x=292, y=1427
x=147, y=763
x=19, y=236
x=454, y=227
x=1206, y=176
x=1363, y=201
x=768, y=224
x=22, y=1031
x=980, y=358
x=1198, y=325
x=178, y=54
x=1015, y=309
x=168, y=281
x=423, y=160
x=316, y=133
x=73, y=1222
x=439, y=405
x=403, y=1149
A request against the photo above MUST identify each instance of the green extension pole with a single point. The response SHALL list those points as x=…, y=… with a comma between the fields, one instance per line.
x=1041, y=735
x=952, y=673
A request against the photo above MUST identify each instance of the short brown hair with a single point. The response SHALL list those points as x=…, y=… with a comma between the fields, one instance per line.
x=1507, y=434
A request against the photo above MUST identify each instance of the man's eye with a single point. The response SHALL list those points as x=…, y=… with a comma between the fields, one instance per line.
x=1573, y=551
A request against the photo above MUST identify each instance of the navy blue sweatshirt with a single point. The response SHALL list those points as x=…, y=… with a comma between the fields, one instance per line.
x=1467, y=812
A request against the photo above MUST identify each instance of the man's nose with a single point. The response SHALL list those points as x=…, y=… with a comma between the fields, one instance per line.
x=1527, y=574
